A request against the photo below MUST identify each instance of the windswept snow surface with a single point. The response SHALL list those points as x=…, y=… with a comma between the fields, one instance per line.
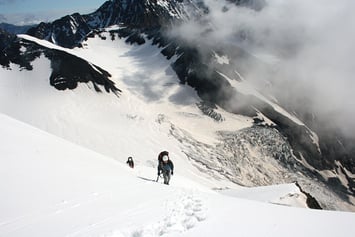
x=50, y=187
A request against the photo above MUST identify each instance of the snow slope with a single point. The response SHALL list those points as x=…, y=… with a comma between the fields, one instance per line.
x=146, y=78
x=51, y=187
x=75, y=181
x=152, y=101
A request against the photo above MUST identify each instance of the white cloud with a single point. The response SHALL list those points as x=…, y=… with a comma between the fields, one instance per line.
x=2, y=18
x=311, y=40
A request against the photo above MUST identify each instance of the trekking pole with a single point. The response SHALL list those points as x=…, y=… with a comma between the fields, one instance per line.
x=157, y=178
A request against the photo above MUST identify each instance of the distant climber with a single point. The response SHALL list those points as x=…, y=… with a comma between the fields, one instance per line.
x=165, y=166
x=130, y=162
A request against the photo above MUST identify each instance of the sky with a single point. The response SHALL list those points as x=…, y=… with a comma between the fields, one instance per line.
x=33, y=11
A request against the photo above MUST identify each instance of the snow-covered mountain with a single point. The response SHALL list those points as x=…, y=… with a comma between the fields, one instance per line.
x=51, y=187
x=140, y=15
x=154, y=81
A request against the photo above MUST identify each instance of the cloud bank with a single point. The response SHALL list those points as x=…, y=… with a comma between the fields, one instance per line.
x=308, y=47
x=2, y=18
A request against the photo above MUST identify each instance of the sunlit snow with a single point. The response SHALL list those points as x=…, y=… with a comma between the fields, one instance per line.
x=63, y=170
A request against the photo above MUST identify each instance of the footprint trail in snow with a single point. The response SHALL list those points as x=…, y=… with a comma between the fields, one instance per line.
x=182, y=214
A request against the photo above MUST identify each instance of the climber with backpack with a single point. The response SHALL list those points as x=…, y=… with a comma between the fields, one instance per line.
x=165, y=166
x=130, y=162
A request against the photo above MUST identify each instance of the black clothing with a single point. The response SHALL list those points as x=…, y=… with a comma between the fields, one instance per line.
x=167, y=169
x=130, y=162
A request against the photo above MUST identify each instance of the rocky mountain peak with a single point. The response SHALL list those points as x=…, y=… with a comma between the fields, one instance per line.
x=67, y=31
x=70, y=30
x=137, y=13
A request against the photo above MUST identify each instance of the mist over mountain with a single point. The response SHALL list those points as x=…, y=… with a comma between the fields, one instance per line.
x=286, y=50
x=15, y=29
x=284, y=65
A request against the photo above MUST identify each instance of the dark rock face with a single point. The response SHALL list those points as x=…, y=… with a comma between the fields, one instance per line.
x=6, y=48
x=10, y=52
x=209, y=110
x=311, y=201
x=136, y=13
x=68, y=31
x=145, y=15
x=64, y=75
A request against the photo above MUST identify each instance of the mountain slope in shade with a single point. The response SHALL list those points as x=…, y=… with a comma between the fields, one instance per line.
x=63, y=75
